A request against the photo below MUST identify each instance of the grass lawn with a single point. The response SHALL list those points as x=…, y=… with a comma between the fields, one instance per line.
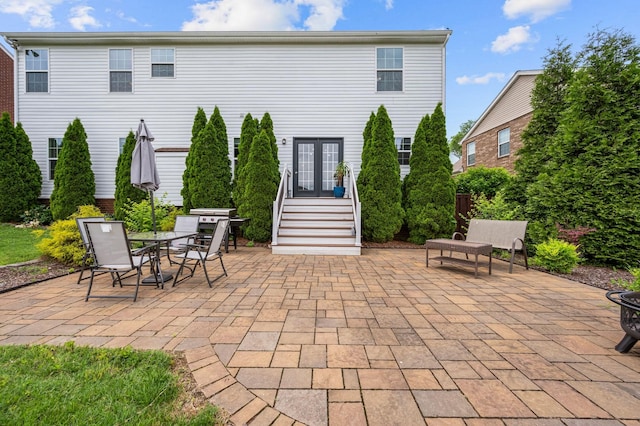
x=17, y=244
x=68, y=384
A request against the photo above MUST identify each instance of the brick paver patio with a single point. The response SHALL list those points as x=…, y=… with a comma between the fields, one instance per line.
x=377, y=339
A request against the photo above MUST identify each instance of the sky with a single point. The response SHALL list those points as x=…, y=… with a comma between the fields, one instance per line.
x=491, y=39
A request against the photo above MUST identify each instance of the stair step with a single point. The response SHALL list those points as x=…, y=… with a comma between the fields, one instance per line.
x=317, y=241
x=317, y=209
x=317, y=201
x=313, y=232
x=325, y=224
x=317, y=216
x=317, y=250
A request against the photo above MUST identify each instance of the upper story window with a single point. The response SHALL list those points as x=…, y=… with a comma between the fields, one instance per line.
x=389, y=69
x=55, y=145
x=120, y=70
x=404, y=150
x=162, y=62
x=37, y=67
x=504, y=136
x=471, y=153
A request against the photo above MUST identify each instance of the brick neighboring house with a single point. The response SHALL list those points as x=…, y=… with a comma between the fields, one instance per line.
x=494, y=140
x=6, y=82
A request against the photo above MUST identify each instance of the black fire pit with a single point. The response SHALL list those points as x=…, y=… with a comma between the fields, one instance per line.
x=629, y=302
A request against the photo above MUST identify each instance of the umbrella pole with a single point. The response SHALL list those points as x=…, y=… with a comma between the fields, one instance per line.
x=153, y=212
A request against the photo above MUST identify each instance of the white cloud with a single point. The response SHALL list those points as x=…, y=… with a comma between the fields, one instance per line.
x=537, y=9
x=513, y=40
x=80, y=17
x=37, y=12
x=388, y=4
x=264, y=15
x=483, y=79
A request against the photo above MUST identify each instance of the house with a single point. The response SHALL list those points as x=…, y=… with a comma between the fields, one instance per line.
x=318, y=87
x=6, y=81
x=494, y=139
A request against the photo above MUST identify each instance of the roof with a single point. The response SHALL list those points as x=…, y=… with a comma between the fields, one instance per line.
x=226, y=37
x=6, y=51
x=521, y=82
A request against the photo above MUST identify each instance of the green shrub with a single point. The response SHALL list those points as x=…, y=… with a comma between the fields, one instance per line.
x=37, y=216
x=169, y=222
x=138, y=218
x=631, y=285
x=65, y=244
x=482, y=180
x=124, y=190
x=496, y=208
x=556, y=256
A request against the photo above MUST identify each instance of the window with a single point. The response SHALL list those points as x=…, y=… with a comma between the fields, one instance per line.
x=471, y=153
x=162, y=62
x=121, y=142
x=404, y=150
x=120, y=70
x=236, y=151
x=503, y=142
x=37, y=67
x=389, y=66
x=55, y=145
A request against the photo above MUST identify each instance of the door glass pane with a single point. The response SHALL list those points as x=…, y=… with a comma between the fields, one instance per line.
x=330, y=152
x=305, y=167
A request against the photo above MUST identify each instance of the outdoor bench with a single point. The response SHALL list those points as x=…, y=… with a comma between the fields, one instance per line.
x=485, y=236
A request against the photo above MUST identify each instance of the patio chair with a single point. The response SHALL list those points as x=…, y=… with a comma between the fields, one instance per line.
x=199, y=254
x=184, y=223
x=87, y=258
x=111, y=253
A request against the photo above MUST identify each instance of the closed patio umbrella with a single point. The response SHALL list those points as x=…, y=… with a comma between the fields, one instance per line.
x=144, y=173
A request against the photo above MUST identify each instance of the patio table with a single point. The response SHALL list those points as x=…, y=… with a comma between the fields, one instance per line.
x=159, y=239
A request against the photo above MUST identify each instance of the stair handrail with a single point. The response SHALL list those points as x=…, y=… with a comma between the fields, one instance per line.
x=278, y=204
x=356, y=207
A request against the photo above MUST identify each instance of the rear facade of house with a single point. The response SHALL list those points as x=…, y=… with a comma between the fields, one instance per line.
x=318, y=87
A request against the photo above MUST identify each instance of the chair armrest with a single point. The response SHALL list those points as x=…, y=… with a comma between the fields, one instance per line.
x=457, y=234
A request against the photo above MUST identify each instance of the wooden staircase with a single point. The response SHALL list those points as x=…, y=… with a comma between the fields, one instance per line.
x=319, y=226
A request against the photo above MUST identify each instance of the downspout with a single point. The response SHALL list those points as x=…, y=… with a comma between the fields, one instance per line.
x=444, y=74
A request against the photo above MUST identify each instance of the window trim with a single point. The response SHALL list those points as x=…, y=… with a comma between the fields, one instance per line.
x=399, y=142
x=54, y=160
x=152, y=63
x=130, y=70
x=27, y=71
x=401, y=69
x=473, y=143
x=508, y=142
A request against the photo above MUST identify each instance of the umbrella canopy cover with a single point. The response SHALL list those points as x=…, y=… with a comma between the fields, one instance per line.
x=144, y=173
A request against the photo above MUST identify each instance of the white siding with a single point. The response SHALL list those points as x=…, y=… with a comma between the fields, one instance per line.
x=310, y=90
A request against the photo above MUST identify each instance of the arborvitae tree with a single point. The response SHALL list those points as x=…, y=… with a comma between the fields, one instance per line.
x=74, y=182
x=10, y=204
x=366, y=144
x=548, y=100
x=247, y=133
x=206, y=187
x=124, y=190
x=432, y=199
x=381, y=197
x=259, y=192
x=30, y=176
x=266, y=125
x=594, y=177
x=199, y=123
x=413, y=188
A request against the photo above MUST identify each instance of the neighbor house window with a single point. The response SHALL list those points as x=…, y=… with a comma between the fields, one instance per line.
x=162, y=62
x=121, y=143
x=471, y=153
x=389, y=69
x=120, y=70
x=503, y=142
x=37, y=67
x=55, y=145
x=404, y=150
x=236, y=152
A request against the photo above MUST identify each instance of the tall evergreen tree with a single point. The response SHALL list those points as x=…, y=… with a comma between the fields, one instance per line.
x=124, y=190
x=594, y=177
x=30, y=176
x=548, y=100
x=74, y=182
x=414, y=180
x=381, y=197
x=10, y=205
x=361, y=181
x=432, y=199
x=259, y=192
x=247, y=133
x=199, y=123
x=266, y=125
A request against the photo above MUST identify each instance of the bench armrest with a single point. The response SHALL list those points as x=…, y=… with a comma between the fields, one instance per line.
x=457, y=234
